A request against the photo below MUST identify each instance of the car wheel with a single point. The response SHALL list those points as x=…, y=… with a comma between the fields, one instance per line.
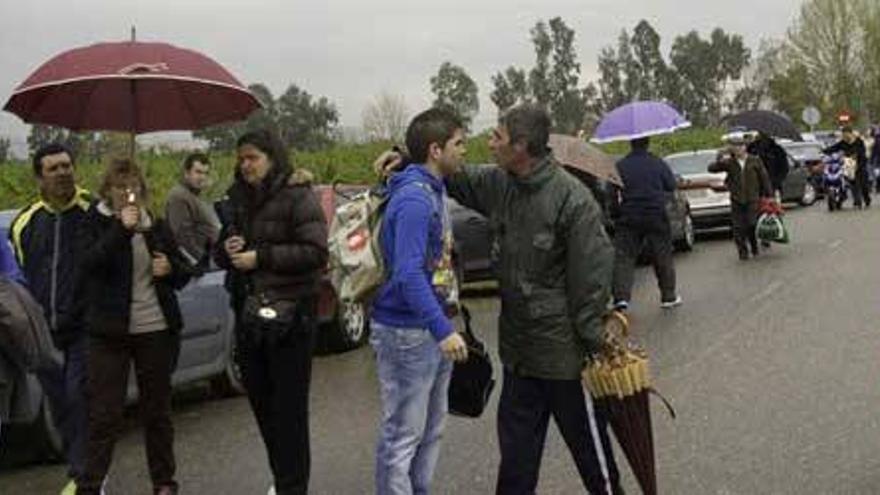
x=809, y=195
x=230, y=383
x=351, y=328
x=686, y=242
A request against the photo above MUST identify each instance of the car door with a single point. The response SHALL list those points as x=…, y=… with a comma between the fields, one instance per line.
x=795, y=181
x=205, y=337
x=472, y=241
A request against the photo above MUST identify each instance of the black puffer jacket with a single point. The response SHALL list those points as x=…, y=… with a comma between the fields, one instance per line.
x=283, y=221
x=108, y=265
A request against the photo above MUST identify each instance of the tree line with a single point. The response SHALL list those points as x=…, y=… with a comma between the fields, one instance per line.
x=829, y=58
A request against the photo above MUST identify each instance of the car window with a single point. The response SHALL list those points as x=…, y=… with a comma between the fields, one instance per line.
x=691, y=163
x=804, y=151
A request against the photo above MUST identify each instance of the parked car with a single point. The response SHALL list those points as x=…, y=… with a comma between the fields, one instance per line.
x=705, y=191
x=708, y=195
x=808, y=155
x=825, y=137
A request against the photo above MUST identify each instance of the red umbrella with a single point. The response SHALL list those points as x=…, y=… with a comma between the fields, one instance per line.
x=131, y=87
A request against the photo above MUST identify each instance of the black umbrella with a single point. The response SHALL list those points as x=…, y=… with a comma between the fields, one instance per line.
x=770, y=123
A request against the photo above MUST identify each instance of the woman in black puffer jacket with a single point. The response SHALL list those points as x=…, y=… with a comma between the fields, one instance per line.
x=275, y=248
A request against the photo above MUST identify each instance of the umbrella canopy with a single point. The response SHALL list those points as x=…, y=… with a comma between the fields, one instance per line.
x=638, y=120
x=577, y=153
x=131, y=87
x=767, y=122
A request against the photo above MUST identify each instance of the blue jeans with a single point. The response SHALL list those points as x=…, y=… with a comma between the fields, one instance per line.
x=65, y=389
x=414, y=382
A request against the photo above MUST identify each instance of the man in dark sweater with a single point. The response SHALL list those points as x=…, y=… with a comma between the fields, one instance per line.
x=642, y=221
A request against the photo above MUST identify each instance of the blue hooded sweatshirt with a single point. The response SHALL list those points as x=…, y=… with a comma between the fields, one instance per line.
x=412, y=242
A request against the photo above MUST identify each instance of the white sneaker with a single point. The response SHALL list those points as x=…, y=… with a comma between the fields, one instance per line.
x=671, y=304
x=271, y=490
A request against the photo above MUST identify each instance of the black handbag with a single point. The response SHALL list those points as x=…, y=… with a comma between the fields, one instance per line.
x=267, y=321
x=472, y=381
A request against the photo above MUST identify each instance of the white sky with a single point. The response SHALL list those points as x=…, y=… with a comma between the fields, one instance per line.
x=351, y=50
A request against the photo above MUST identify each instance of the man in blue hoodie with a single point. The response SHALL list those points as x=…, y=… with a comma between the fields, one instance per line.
x=413, y=337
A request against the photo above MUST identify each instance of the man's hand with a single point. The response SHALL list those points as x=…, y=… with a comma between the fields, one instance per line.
x=454, y=348
x=130, y=216
x=245, y=261
x=234, y=245
x=161, y=265
x=387, y=164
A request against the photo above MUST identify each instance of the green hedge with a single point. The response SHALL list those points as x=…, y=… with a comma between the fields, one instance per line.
x=342, y=163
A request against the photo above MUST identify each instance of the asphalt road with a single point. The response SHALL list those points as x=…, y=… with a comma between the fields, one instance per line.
x=772, y=365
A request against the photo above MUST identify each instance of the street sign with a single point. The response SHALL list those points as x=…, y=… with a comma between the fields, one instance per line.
x=811, y=116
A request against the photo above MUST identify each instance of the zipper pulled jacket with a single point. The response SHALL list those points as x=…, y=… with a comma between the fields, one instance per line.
x=48, y=246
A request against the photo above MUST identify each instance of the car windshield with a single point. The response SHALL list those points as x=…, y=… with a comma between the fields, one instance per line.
x=691, y=163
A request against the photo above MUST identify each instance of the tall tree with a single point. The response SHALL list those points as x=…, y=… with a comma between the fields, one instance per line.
x=454, y=89
x=871, y=57
x=651, y=67
x=553, y=81
x=385, y=118
x=610, y=80
x=539, y=76
x=304, y=122
x=511, y=88
x=567, y=103
x=828, y=40
x=704, y=68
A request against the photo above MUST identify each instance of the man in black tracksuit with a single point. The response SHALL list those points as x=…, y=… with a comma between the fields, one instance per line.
x=45, y=238
x=642, y=221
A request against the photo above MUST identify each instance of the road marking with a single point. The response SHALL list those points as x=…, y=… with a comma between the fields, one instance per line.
x=836, y=244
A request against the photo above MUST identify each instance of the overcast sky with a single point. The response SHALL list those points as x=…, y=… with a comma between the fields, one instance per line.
x=351, y=50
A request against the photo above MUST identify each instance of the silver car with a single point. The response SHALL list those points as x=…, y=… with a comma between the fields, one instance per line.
x=706, y=193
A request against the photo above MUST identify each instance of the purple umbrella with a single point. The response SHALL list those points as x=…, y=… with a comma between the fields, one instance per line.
x=637, y=120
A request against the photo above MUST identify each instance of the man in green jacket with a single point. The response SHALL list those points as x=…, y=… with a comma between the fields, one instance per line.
x=554, y=265
x=748, y=183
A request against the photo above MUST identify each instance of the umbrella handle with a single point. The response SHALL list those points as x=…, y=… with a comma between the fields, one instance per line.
x=653, y=391
x=616, y=328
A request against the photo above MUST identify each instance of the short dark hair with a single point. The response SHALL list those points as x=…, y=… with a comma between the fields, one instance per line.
x=436, y=125
x=530, y=124
x=192, y=158
x=47, y=150
x=269, y=143
x=640, y=144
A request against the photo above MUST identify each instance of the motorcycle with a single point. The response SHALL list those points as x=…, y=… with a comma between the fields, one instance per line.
x=835, y=181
